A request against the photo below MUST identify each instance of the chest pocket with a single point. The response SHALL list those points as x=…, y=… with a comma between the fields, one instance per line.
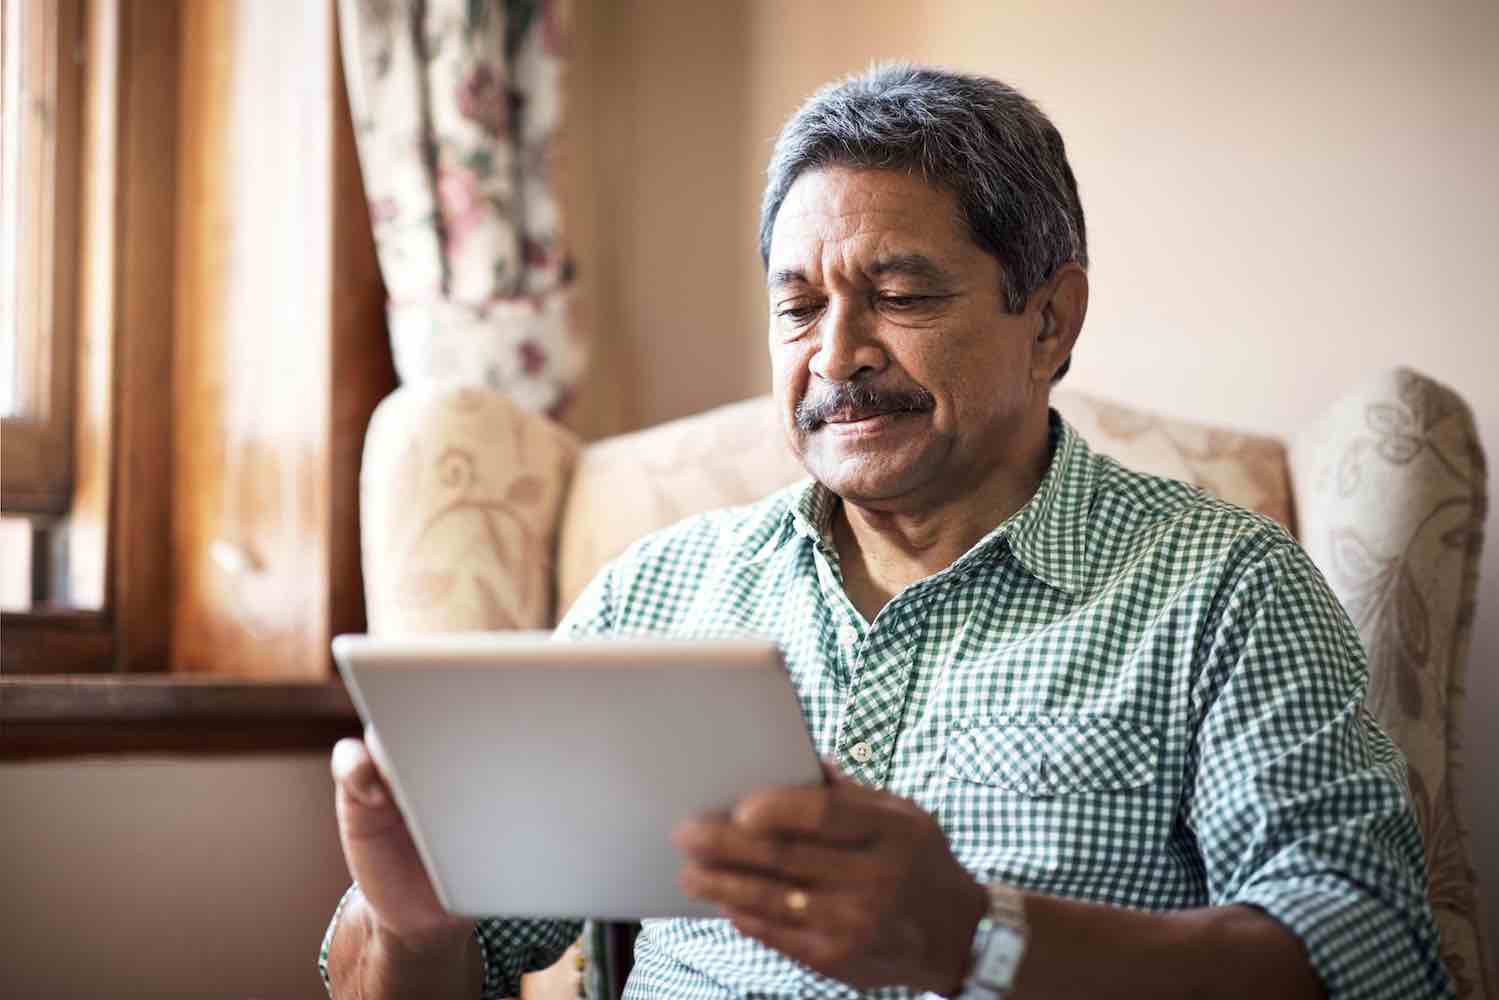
x=1046, y=756
x=1053, y=800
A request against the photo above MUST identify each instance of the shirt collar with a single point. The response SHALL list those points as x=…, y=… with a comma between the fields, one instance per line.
x=1047, y=535
x=812, y=513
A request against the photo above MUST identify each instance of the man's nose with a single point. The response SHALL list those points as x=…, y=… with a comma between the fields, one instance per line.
x=847, y=348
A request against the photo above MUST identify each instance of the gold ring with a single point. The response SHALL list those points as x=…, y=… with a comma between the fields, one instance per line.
x=796, y=901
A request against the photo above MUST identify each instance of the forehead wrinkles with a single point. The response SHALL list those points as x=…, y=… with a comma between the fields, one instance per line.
x=836, y=246
x=837, y=222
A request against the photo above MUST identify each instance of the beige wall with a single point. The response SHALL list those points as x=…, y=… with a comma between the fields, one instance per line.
x=155, y=877
x=658, y=162
x=1282, y=198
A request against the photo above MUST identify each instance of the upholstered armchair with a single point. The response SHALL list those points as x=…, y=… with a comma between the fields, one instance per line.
x=478, y=515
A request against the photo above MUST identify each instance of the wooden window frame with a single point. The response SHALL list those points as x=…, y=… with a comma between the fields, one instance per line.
x=36, y=476
x=120, y=308
x=98, y=681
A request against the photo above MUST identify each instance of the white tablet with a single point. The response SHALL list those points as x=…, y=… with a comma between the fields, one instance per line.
x=543, y=778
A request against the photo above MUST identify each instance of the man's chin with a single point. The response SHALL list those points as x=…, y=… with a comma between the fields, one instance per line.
x=861, y=481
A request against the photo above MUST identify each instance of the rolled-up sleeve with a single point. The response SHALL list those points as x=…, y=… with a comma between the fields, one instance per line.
x=514, y=947
x=1297, y=799
x=509, y=948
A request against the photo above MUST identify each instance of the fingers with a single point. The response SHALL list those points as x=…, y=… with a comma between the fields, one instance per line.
x=832, y=774
x=752, y=894
x=804, y=862
x=765, y=897
x=837, y=814
x=818, y=928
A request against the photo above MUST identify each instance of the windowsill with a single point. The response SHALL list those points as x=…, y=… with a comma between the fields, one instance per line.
x=88, y=715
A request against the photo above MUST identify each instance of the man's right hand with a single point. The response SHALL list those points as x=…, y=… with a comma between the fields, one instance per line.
x=403, y=907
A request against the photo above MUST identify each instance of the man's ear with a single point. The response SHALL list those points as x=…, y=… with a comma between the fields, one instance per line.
x=1061, y=306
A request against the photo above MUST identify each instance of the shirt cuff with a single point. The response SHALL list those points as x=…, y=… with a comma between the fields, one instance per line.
x=1358, y=946
x=494, y=984
x=322, y=957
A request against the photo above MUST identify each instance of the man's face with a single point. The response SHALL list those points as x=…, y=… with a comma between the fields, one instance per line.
x=901, y=380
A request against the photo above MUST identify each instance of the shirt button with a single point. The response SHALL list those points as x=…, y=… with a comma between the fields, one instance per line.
x=848, y=636
x=861, y=752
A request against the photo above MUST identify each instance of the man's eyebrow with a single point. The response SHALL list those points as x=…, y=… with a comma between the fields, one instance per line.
x=786, y=276
x=912, y=265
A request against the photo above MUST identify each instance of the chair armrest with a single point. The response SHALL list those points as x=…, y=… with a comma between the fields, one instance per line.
x=1390, y=488
x=460, y=491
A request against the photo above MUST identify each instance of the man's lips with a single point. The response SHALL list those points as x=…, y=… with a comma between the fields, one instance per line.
x=864, y=416
x=854, y=418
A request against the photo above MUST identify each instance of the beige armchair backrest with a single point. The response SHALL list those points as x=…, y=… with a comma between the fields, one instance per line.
x=478, y=515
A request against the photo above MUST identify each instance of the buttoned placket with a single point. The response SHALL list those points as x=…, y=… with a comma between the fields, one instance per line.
x=880, y=684
x=849, y=639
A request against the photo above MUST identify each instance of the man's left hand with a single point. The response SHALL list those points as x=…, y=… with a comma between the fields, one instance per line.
x=857, y=884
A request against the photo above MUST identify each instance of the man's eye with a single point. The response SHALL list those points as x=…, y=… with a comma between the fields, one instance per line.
x=797, y=314
x=902, y=301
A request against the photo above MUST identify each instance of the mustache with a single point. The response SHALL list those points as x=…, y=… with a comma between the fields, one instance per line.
x=859, y=399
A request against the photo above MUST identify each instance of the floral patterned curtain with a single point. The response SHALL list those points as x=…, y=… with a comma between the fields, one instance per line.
x=456, y=107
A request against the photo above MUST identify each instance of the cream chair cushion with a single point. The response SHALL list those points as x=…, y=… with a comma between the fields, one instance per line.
x=631, y=485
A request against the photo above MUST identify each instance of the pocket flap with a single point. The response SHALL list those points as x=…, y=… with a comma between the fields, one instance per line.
x=1054, y=755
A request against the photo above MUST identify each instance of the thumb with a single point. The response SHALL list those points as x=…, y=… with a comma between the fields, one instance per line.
x=832, y=774
x=355, y=773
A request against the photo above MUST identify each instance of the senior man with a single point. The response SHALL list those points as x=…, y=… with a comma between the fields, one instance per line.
x=1089, y=732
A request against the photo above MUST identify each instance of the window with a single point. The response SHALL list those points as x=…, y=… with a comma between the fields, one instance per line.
x=154, y=271
x=40, y=95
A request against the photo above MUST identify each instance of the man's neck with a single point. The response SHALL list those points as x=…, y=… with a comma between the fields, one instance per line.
x=882, y=552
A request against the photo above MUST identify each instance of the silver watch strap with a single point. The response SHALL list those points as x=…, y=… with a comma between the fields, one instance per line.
x=998, y=945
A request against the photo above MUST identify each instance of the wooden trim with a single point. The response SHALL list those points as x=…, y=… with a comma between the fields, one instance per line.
x=139, y=559
x=121, y=557
x=169, y=699
x=55, y=642
x=24, y=741
x=280, y=353
x=249, y=573
x=72, y=716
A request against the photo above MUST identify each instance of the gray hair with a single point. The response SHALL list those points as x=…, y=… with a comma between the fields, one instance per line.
x=982, y=140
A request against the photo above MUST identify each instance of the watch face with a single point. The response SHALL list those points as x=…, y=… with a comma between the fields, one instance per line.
x=996, y=966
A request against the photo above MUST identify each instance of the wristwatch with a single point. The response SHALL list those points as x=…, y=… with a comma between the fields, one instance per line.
x=998, y=945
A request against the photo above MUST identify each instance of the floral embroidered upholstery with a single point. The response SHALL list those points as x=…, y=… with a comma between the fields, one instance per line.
x=466, y=497
x=459, y=495
x=1390, y=490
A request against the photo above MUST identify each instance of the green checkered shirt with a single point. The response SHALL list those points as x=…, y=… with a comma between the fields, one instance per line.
x=1129, y=692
